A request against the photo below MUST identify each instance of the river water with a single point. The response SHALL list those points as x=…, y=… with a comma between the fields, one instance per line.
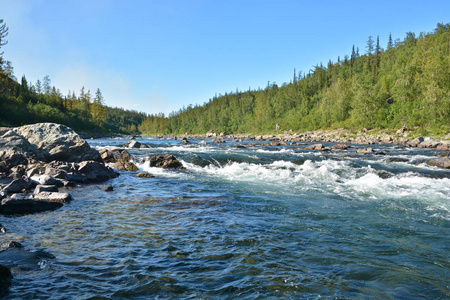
x=261, y=222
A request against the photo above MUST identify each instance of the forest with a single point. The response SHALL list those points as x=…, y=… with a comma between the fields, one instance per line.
x=26, y=103
x=406, y=85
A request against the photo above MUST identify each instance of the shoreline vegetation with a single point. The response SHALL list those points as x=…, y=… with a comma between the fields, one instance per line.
x=405, y=87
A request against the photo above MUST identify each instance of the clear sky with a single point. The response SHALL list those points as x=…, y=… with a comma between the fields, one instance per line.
x=158, y=56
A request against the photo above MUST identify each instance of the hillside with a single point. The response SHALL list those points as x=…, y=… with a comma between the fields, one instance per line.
x=406, y=85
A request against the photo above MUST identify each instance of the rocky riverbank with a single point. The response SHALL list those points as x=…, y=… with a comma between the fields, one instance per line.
x=36, y=162
x=337, y=136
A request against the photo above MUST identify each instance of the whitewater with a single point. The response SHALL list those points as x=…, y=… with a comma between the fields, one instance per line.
x=260, y=222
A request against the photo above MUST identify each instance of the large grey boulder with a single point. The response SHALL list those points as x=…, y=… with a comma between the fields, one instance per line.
x=166, y=161
x=58, y=142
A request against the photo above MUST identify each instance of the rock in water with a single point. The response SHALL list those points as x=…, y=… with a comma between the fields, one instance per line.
x=166, y=161
x=144, y=175
x=5, y=279
x=441, y=162
x=58, y=142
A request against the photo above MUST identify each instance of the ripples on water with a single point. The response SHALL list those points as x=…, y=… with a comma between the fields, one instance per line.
x=254, y=223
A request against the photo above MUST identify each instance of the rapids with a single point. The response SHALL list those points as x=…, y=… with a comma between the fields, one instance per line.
x=261, y=222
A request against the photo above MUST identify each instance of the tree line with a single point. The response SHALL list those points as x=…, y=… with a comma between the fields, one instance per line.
x=406, y=85
x=25, y=103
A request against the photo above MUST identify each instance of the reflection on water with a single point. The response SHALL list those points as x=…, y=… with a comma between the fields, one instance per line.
x=253, y=223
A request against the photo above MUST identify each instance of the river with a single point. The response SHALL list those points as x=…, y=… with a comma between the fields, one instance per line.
x=260, y=222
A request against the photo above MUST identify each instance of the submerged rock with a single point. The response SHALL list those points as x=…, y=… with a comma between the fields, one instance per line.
x=166, y=161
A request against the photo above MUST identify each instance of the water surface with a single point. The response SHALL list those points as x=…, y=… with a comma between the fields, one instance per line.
x=256, y=223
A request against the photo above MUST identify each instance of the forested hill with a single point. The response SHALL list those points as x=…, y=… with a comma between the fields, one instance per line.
x=405, y=85
x=26, y=103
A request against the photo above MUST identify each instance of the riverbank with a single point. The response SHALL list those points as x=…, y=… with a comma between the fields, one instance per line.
x=343, y=136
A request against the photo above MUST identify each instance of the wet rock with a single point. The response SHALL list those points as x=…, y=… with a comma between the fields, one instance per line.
x=12, y=244
x=364, y=150
x=112, y=156
x=441, y=162
x=185, y=141
x=396, y=159
x=238, y=147
x=339, y=147
x=5, y=280
x=144, y=175
x=314, y=147
x=218, y=141
x=203, y=143
x=166, y=161
x=11, y=206
x=108, y=188
x=135, y=144
x=125, y=166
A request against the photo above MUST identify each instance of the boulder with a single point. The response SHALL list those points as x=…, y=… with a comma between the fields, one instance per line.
x=339, y=147
x=112, y=156
x=166, y=161
x=441, y=162
x=185, y=141
x=144, y=175
x=444, y=146
x=12, y=157
x=203, y=143
x=428, y=144
x=415, y=142
x=135, y=144
x=17, y=186
x=45, y=188
x=125, y=166
x=314, y=147
x=53, y=197
x=58, y=142
x=94, y=171
x=46, y=180
x=11, y=206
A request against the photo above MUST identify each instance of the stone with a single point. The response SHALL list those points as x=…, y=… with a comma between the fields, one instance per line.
x=108, y=188
x=144, y=175
x=396, y=159
x=112, y=156
x=17, y=186
x=441, y=162
x=125, y=166
x=339, y=147
x=45, y=188
x=203, y=143
x=135, y=144
x=5, y=279
x=166, y=161
x=184, y=141
x=364, y=150
x=428, y=144
x=444, y=146
x=58, y=142
x=94, y=171
x=12, y=206
x=416, y=142
x=46, y=180
x=314, y=147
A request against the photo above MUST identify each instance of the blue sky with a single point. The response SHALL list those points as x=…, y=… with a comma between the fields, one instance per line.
x=158, y=56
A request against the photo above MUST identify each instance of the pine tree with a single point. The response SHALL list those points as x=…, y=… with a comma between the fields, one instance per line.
x=390, y=44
